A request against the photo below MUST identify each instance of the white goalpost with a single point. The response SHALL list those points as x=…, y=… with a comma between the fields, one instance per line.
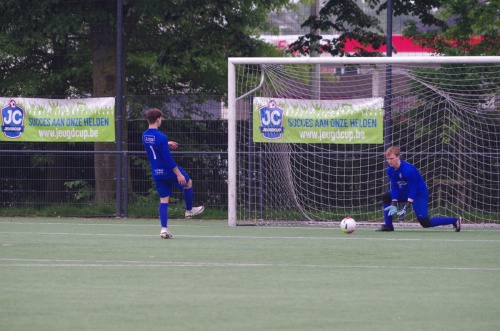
x=306, y=136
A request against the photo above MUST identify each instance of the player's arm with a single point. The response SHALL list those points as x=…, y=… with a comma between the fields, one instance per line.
x=166, y=155
x=393, y=209
x=180, y=177
x=412, y=178
x=394, y=190
x=172, y=165
x=173, y=145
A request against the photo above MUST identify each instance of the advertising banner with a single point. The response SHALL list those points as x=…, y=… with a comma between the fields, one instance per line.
x=58, y=120
x=356, y=121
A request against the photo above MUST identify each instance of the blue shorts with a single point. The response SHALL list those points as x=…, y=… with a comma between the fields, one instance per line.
x=419, y=205
x=164, y=186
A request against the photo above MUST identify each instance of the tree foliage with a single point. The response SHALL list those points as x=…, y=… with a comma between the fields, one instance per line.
x=53, y=47
x=43, y=50
x=468, y=27
x=340, y=21
x=68, y=48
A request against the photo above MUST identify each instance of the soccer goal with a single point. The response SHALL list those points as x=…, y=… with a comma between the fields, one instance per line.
x=307, y=136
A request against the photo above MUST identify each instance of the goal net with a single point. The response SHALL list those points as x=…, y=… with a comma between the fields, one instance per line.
x=307, y=136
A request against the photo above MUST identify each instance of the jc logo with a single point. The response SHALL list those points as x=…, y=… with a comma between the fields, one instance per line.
x=12, y=120
x=271, y=120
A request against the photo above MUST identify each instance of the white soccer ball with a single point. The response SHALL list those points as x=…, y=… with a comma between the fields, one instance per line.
x=348, y=225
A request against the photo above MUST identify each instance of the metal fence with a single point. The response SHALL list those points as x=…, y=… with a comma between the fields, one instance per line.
x=60, y=178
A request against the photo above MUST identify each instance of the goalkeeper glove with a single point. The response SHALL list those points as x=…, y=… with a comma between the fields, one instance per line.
x=405, y=208
x=392, y=209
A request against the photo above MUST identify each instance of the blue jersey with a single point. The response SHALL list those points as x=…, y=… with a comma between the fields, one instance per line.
x=406, y=182
x=156, y=145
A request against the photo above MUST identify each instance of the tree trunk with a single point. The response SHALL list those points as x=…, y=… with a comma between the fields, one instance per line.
x=104, y=56
x=104, y=85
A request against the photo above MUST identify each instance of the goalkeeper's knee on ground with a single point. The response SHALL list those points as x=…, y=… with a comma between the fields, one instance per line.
x=425, y=222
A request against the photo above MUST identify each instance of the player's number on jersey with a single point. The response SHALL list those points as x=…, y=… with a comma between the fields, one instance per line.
x=153, y=151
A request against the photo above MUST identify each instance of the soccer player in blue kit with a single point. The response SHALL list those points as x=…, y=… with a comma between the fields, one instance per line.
x=166, y=173
x=408, y=186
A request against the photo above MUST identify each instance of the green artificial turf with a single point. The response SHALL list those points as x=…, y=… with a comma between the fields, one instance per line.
x=117, y=274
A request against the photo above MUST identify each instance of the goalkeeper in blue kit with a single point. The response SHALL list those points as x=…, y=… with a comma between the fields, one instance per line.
x=166, y=173
x=408, y=186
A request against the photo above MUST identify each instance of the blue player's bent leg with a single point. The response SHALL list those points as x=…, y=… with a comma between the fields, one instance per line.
x=188, y=198
x=438, y=221
x=420, y=208
x=455, y=221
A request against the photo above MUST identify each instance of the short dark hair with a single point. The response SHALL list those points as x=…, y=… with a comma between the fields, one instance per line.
x=153, y=114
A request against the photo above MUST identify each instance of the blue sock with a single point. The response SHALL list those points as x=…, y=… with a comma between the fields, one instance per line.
x=163, y=211
x=188, y=198
x=387, y=218
x=437, y=221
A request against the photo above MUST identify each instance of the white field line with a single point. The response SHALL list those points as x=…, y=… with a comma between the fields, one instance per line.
x=80, y=224
x=346, y=237
x=8, y=262
x=334, y=226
